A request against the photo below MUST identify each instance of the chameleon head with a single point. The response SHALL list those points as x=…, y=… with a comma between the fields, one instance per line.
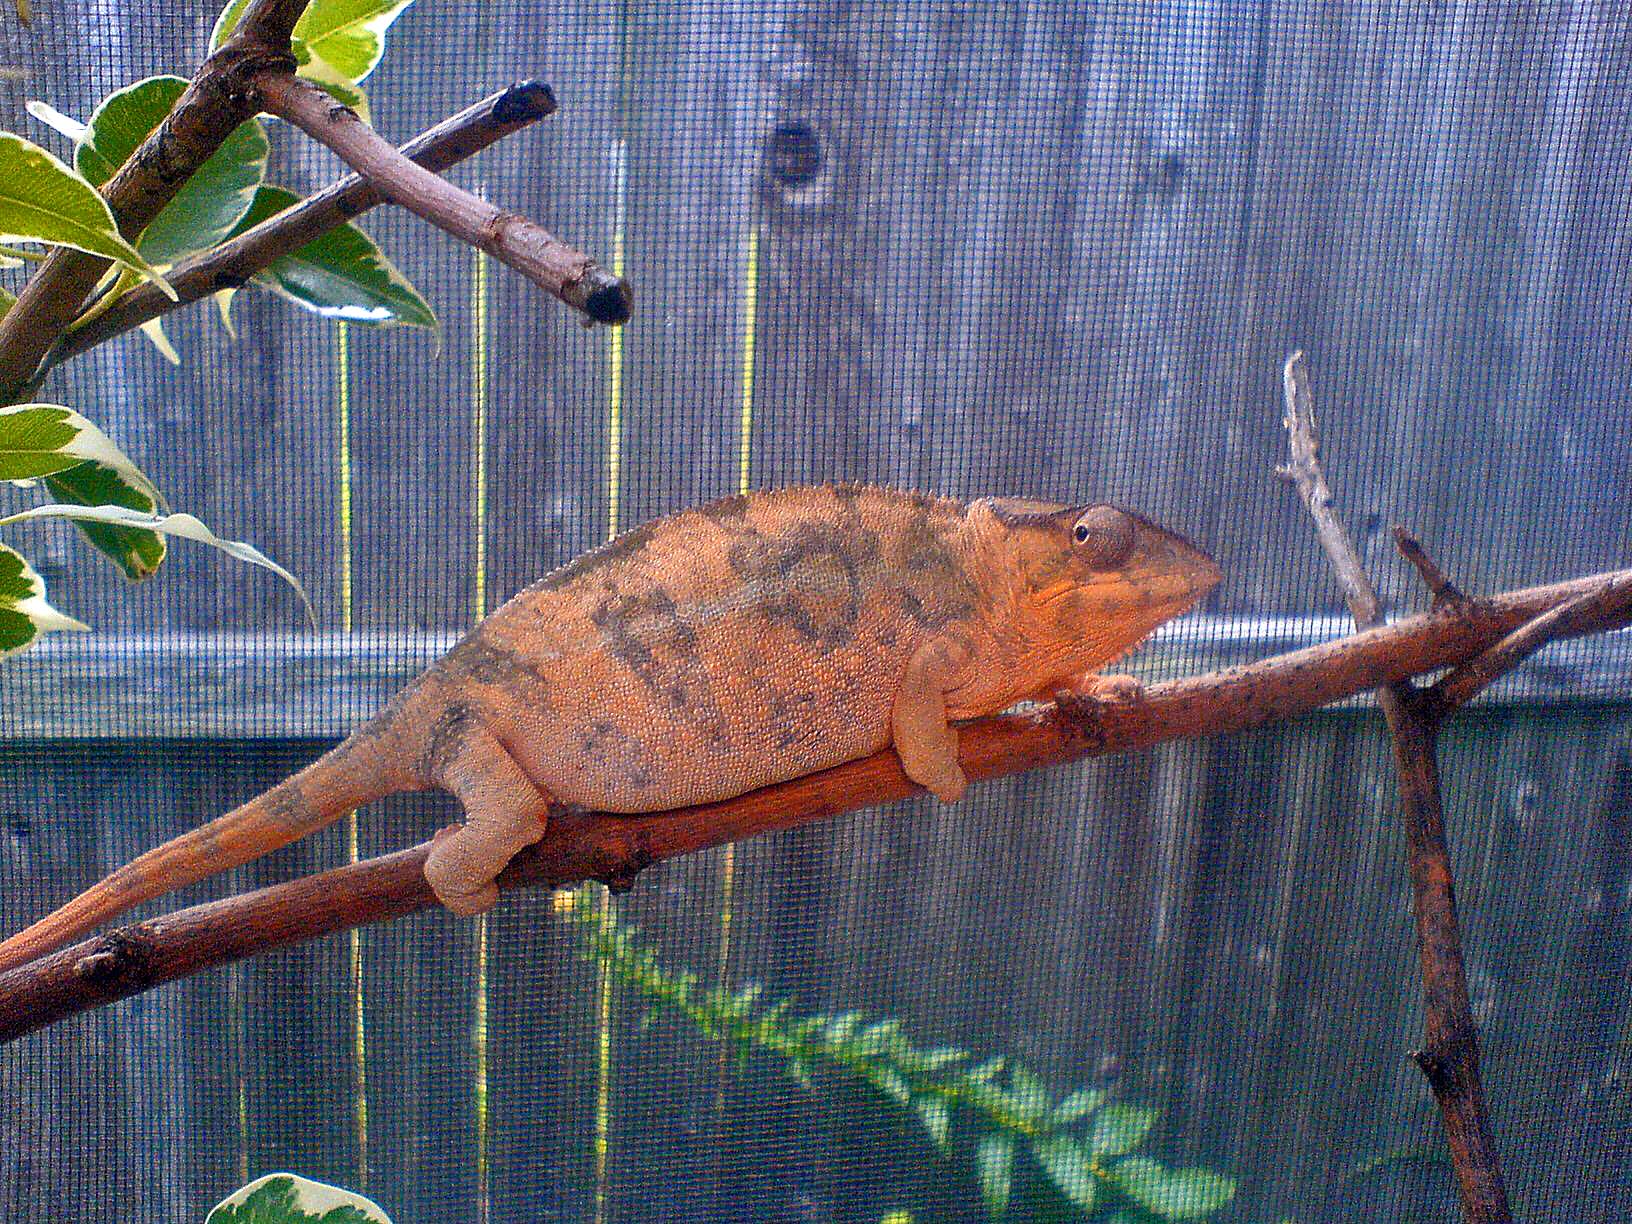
x=1085, y=583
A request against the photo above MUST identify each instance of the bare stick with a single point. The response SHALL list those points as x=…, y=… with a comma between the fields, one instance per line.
x=232, y=263
x=1608, y=607
x=582, y=846
x=530, y=249
x=217, y=101
x=1440, y=587
x=1304, y=471
x=1450, y=1054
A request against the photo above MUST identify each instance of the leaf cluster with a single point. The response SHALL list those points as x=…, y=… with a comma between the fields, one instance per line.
x=341, y=274
x=992, y=1115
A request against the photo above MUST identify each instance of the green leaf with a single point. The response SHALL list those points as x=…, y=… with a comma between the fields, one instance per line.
x=184, y=525
x=41, y=439
x=1172, y=1194
x=1067, y=1168
x=936, y=1115
x=8, y=299
x=319, y=71
x=1031, y=1096
x=340, y=274
x=337, y=43
x=1118, y=1129
x=137, y=553
x=349, y=34
x=24, y=614
x=210, y=203
x=153, y=329
x=226, y=22
x=994, y=1169
x=283, y=1198
x=42, y=200
x=1078, y=1105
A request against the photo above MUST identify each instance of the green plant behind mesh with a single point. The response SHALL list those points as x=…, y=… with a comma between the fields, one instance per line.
x=993, y=1114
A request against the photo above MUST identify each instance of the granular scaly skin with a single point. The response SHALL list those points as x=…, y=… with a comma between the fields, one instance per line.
x=713, y=652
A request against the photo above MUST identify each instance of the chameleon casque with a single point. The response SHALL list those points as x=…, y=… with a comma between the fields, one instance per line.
x=709, y=653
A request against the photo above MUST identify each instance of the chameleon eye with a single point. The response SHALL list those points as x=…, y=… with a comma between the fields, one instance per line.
x=1103, y=537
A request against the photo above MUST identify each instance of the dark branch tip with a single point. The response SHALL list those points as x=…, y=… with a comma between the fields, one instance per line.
x=610, y=304
x=523, y=102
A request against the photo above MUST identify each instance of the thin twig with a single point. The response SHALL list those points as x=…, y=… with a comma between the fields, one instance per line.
x=1304, y=471
x=530, y=249
x=217, y=100
x=234, y=262
x=1450, y=1054
x=1607, y=607
x=581, y=846
x=1443, y=590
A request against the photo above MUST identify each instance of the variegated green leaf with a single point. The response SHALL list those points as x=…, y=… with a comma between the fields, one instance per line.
x=42, y=200
x=138, y=553
x=183, y=525
x=283, y=1198
x=24, y=613
x=210, y=203
x=337, y=43
x=341, y=274
x=41, y=439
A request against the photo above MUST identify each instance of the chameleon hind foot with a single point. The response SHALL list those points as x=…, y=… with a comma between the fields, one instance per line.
x=505, y=812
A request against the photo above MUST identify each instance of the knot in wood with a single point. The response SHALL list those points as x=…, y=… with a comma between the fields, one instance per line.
x=115, y=958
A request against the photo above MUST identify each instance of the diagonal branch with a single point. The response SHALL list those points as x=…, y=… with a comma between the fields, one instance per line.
x=219, y=98
x=530, y=249
x=233, y=263
x=1450, y=1054
x=579, y=846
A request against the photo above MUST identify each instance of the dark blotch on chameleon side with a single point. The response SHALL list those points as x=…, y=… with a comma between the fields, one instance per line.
x=453, y=723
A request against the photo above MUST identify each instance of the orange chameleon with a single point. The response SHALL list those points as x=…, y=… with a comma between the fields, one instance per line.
x=709, y=653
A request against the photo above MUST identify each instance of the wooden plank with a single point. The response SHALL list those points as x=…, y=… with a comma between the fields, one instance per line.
x=548, y=498
x=156, y=1079
x=253, y=686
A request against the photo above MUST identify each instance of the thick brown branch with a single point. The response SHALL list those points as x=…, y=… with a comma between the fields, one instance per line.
x=615, y=848
x=1450, y=1057
x=537, y=254
x=232, y=263
x=217, y=101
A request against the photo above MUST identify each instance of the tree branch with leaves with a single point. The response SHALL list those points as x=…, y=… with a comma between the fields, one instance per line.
x=166, y=201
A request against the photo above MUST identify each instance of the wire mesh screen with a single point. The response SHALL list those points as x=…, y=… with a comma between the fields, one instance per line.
x=1042, y=249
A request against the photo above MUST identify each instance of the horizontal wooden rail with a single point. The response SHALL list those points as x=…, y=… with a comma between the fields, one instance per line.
x=246, y=686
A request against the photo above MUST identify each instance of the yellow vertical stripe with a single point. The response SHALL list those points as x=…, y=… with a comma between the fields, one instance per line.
x=614, y=490
x=745, y=434
x=358, y=1017
x=478, y=516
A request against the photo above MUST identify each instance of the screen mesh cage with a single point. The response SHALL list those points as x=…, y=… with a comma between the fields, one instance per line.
x=1055, y=250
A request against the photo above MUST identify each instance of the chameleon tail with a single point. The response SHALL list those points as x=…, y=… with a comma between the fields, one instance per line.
x=352, y=774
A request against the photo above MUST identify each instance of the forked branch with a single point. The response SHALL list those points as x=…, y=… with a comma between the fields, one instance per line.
x=1450, y=1054
x=234, y=262
x=529, y=248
